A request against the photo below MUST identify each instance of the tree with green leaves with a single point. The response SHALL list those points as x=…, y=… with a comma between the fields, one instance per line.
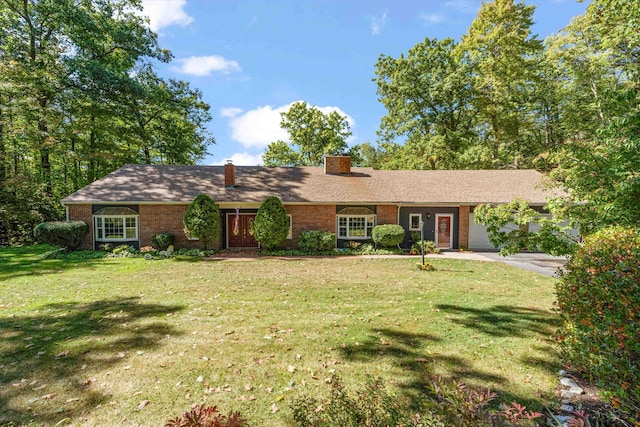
x=271, y=226
x=428, y=102
x=78, y=97
x=500, y=53
x=202, y=220
x=312, y=135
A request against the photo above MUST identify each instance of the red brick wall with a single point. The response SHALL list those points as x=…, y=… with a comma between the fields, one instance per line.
x=160, y=218
x=463, y=226
x=83, y=213
x=337, y=165
x=316, y=217
x=386, y=214
x=156, y=219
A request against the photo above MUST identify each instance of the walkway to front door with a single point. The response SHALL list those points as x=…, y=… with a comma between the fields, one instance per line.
x=240, y=231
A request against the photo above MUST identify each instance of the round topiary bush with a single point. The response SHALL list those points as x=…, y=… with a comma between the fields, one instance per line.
x=271, y=226
x=387, y=235
x=65, y=234
x=599, y=301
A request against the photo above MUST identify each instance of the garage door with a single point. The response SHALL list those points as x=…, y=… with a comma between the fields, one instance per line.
x=478, y=238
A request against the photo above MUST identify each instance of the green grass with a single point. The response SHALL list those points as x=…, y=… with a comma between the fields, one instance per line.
x=86, y=341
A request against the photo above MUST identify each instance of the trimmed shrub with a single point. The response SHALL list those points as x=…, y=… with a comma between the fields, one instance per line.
x=65, y=234
x=271, y=226
x=599, y=302
x=202, y=220
x=317, y=241
x=388, y=235
x=429, y=247
x=162, y=241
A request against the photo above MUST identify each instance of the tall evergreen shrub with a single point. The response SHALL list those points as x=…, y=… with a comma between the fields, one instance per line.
x=202, y=220
x=271, y=226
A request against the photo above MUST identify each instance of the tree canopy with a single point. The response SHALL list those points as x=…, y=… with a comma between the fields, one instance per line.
x=79, y=98
x=312, y=135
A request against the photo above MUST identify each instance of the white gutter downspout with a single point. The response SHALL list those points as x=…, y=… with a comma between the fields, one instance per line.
x=66, y=211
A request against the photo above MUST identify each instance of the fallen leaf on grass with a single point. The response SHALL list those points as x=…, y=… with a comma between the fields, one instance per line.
x=291, y=368
x=274, y=408
x=73, y=399
x=143, y=404
x=48, y=396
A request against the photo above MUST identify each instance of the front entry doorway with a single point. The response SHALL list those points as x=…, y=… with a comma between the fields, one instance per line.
x=444, y=228
x=240, y=231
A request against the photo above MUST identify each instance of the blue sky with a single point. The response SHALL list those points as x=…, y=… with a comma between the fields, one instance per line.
x=252, y=59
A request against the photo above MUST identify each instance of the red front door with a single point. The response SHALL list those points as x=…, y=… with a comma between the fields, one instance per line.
x=443, y=230
x=240, y=234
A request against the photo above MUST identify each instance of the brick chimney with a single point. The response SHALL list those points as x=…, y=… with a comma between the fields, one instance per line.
x=337, y=165
x=229, y=174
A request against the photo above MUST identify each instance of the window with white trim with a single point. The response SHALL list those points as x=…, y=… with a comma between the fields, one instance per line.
x=355, y=226
x=290, y=235
x=115, y=225
x=414, y=222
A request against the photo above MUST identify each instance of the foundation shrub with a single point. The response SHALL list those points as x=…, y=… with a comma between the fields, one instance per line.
x=599, y=302
x=65, y=234
x=271, y=226
x=387, y=235
x=317, y=241
x=162, y=241
x=202, y=220
x=429, y=247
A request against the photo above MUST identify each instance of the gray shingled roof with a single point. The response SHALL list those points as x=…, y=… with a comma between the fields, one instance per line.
x=169, y=183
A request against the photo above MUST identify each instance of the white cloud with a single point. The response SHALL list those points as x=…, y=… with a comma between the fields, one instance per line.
x=261, y=126
x=432, y=18
x=163, y=13
x=378, y=23
x=230, y=111
x=242, y=159
x=205, y=65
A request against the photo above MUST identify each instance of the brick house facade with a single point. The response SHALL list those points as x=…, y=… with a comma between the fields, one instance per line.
x=136, y=202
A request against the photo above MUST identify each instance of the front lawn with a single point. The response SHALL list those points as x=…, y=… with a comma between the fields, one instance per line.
x=136, y=342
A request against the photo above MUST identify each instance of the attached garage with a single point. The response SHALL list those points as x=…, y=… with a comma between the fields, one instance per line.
x=478, y=237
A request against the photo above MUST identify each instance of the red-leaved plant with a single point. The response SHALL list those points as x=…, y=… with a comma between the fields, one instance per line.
x=207, y=416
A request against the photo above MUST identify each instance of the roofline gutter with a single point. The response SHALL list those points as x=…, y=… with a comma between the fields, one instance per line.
x=330, y=203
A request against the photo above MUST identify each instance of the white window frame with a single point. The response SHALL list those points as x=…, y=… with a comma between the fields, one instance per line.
x=348, y=218
x=290, y=235
x=411, y=216
x=124, y=218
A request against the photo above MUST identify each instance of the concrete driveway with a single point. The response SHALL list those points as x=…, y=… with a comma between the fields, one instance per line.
x=540, y=263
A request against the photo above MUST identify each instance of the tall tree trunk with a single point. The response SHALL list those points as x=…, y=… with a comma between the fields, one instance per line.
x=45, y=150
x=496, y=140
x=91, y=173
x=3, y=152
